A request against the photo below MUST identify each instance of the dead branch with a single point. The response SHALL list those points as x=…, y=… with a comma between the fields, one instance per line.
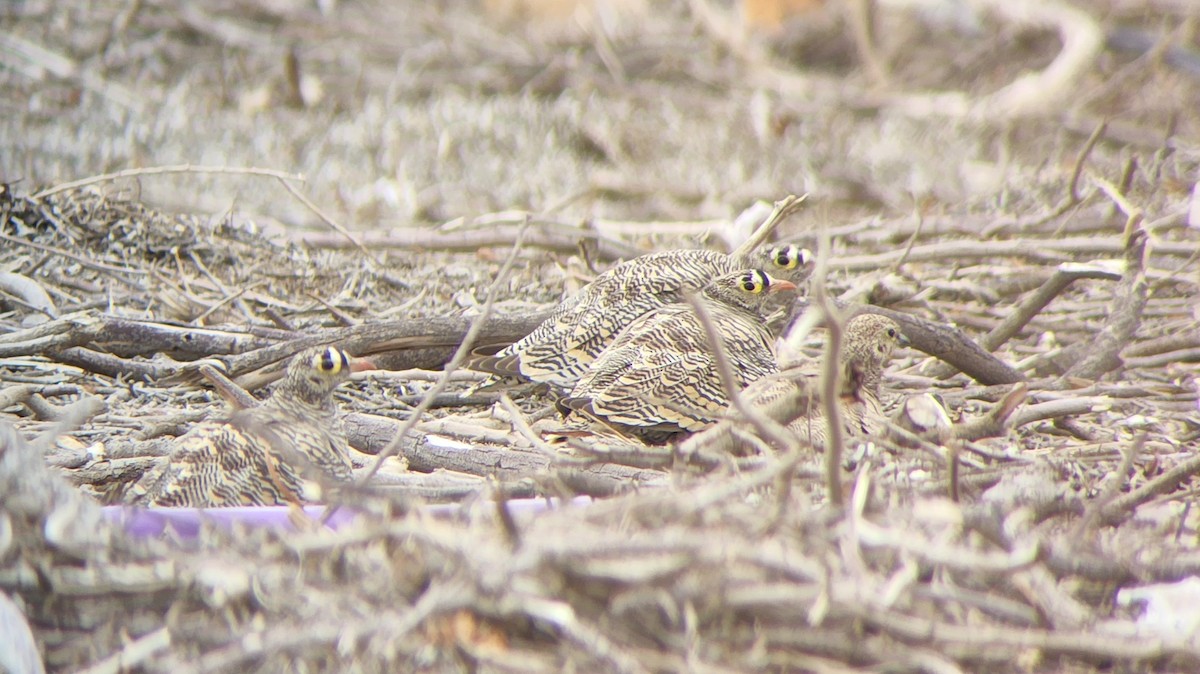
x=1046, y=251
x=129, y=337
x=1186, y=340
x=1102, y=354
x=1191, y=355
x=15, y=395
x=996, y=421
x=831, y=379
x=1055, y=409
x=424, y=343
x=114, y=366
x=459, y=357
x=376, y=338
x=164, y=170
x=1122, y=506
x=29, y=292
x=236, y=396
x=952, y=346
x=111, y=472
x=371, y=434
x=783, y=209
x=70, y=330
x=547, y=235
x=1064, y=275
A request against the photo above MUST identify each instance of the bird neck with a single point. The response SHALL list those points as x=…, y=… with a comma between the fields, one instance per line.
x=303, y=401
x=867, y=376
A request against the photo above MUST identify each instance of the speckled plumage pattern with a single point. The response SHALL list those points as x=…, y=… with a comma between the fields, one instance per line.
x=264, y=455
x=562, y=348
x=867, y=348
x=659, y=377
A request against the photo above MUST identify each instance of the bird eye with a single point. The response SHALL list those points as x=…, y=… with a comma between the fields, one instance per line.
x=332, y=361
x=891, y=332
x=754, y=282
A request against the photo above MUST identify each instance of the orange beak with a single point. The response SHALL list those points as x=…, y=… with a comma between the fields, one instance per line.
x=778, y=285
x=362, y=364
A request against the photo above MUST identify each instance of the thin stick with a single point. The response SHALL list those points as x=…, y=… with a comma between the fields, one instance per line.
x=163, y=170
x=768, y=428
x=521, y=425
x=90, y=264
x=1091, y=516
x=830, y=375
x=464, y=349
x=1064, y=276
x=1102, y=354
x=329, y=221
x=236, y=396
x=783, y=209
x=1073, y=189
x=133, y=653
x=912, y=240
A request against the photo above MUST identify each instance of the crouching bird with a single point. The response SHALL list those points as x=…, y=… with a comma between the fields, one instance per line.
x=792, y=396
x=659, y=378
x=561, y=350
x=281, y=452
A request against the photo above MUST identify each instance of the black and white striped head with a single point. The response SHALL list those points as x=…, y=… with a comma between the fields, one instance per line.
x=746, y=288
x=789, y=262
x=314, y=373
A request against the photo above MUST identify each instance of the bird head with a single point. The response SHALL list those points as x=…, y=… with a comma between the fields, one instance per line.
x=746, y=288
x=790, y=262
x=314, y=373
x=870, y=341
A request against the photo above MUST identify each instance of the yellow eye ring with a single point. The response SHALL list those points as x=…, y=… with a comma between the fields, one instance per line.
x=331, y=361
x=790, y=257
x=754, y=282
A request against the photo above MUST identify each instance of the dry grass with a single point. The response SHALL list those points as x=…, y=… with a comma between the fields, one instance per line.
x=1069, y=255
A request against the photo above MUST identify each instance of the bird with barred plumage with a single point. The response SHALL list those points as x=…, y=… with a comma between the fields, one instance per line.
x=659, y=378
x=272, y=454
x=792, y=396
x=562, y=348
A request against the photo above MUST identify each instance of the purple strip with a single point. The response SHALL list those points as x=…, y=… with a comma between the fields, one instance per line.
x=186, y=522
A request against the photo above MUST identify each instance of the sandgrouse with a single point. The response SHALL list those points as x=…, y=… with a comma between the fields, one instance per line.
x=792, y=396
x=659, y=378
x=562, y=348
x=265, y=455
